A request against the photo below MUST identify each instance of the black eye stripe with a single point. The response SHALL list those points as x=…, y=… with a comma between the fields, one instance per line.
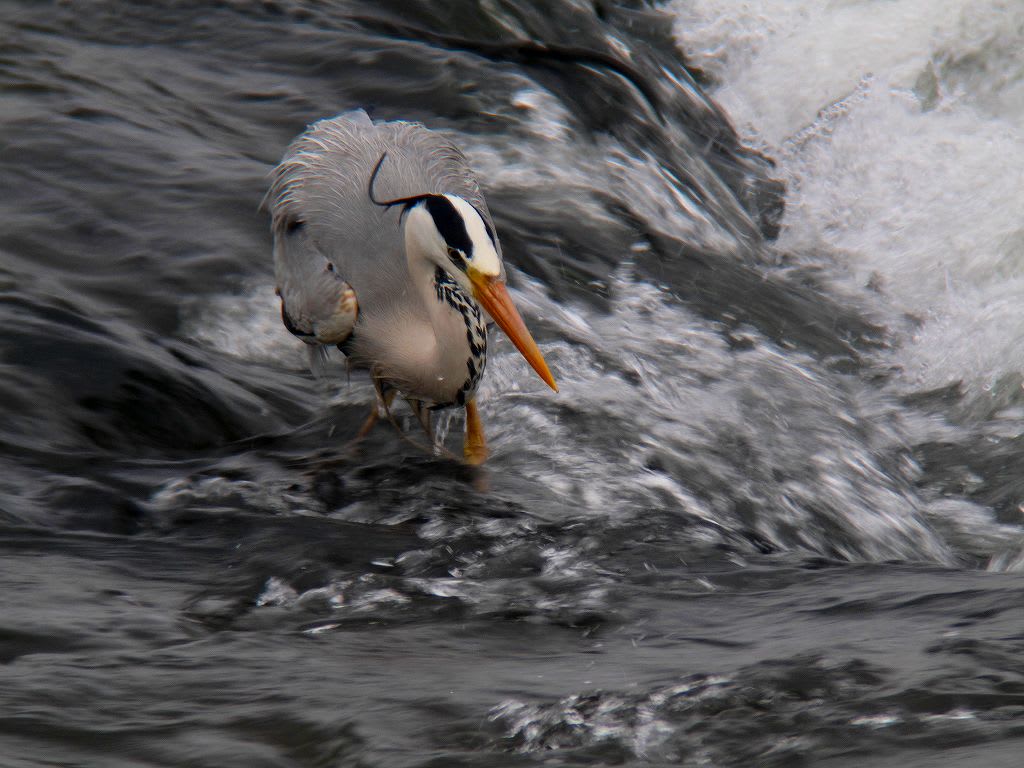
x=449, y=223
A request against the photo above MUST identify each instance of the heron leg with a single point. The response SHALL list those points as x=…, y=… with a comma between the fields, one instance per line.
x=422, y=414
x=474, y=447
x=384, y=397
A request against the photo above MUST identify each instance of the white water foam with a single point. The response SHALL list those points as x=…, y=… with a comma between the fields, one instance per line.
x=810, y=477
x=913, y=183
x=246, y=325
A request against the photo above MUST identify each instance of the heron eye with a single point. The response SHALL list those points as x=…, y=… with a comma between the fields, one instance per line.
x=456, y=256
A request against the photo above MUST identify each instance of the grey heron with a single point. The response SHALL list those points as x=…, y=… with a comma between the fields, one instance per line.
x=385, y=248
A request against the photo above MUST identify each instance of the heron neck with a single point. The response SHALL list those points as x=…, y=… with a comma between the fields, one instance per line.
x=450, y=311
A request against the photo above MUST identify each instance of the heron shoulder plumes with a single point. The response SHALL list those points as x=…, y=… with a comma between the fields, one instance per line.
x=384, y=246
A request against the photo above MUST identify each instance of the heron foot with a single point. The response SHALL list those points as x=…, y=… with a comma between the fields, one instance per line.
x=474, y=447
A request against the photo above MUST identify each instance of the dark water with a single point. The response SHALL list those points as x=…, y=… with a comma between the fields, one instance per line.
x=725, y=543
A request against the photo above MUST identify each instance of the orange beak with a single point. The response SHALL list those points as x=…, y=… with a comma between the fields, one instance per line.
x=491, y=294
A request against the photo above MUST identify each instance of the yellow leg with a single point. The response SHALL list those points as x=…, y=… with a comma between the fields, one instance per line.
x=474, y=447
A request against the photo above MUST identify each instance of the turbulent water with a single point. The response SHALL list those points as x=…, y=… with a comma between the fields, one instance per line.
x=774, y=254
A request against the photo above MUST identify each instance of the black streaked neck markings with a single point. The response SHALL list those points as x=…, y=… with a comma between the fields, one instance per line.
x=449, y=292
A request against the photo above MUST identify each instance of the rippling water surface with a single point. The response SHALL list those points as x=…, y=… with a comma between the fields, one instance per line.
x=773, y=252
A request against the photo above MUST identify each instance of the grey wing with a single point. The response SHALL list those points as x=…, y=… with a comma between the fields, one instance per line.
x=317, y=304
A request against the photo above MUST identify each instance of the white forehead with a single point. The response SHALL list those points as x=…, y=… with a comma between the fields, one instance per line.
x=485, y=255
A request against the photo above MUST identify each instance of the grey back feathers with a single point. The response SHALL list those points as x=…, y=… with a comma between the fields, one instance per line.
x=319, y=192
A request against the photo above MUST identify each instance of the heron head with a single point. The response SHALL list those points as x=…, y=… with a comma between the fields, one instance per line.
x=455, y=236
x=452, y=234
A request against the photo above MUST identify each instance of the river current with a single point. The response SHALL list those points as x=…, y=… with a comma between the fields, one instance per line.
x=773, y=253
